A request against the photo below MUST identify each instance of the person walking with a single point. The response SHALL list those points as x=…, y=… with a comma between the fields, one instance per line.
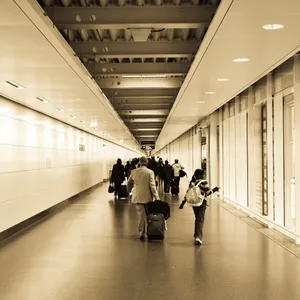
x=199, y=211
x=177, y=167
x=160, y=170
x=127, y=169
x=142, y=184
x=118, y=176
x=167, y=174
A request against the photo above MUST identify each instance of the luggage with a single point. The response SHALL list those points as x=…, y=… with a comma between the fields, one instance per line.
x=158, y=207
x=123, y=193
x=174, y=190
x=155, y=226
x=111, y=188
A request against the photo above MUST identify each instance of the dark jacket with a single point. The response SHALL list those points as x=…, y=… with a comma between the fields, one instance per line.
x=161, y=170
x=153, y=165
x=168, y=172
x=118, y=173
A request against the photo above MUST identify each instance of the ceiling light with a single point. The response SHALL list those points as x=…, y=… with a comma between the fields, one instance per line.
x=94, y=124
x=42, y=99
x=145, y=76
x=82, y=122
x=121, y=141
x=16, y=85
x=60, y=109
x=72, y=116
x=222, y=79
x=200, y=102
x=241, y=59
x=210, y=93
x=273, y=26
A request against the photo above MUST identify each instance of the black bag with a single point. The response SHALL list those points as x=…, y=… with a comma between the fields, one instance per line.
x=158, y=207
x=111, y=188
x=182, y=173
x=155, y=227
x=123, y=193
x=175, y=190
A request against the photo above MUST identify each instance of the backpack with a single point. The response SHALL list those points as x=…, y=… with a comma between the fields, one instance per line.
x=194, y=196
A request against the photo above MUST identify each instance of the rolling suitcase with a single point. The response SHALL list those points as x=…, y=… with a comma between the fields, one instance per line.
x=158, y=207
x=123, y=193
x=155, y=227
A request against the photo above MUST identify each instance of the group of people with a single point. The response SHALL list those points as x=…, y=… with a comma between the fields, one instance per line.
x=164, y=173
x=142, y=174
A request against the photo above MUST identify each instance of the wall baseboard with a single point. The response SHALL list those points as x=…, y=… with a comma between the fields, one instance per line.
x=36, y=219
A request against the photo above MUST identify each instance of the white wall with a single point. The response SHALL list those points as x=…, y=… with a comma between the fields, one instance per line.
x=41, y=165
x=239, y=154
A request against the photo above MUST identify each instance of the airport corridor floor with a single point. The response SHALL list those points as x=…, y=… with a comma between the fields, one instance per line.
x=91, y=251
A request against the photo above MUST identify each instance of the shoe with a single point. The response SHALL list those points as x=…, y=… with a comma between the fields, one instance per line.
x=198, y=242
x=142, y=237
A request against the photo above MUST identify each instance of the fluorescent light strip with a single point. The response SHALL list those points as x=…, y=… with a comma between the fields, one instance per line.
x=72, y=116
x=210, y=93
x=273, y=26
x=60, y=109
x=241, y=59
x=16, y=85
x=222, y=79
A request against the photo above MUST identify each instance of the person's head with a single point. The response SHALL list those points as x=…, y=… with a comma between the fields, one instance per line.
x=160, y=159
x=143, y=161
x=119, y=161
x=199, y=173
x=128, y=163
x=176, y=161
x=166, y=162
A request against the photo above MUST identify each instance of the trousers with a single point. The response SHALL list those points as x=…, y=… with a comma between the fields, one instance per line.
x=199, y=212
x=117, y=188
x=141, y=211
x=167, y=186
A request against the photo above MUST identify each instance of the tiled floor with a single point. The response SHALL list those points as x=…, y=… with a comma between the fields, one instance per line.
x=90, y=250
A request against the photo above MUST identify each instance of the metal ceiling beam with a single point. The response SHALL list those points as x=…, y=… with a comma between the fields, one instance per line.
x=148, y=112
x=146, y=129
x=140, y=92
x=146, y=136
x=149, y=125
x=115, y=69
x=145, y=106
x=128, y=17
x=136, y=83
x=148, y=119
x=131, y=49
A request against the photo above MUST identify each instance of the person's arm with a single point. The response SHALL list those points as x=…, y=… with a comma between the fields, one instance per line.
x=130, y=184
x=153, y=186
x=182, y=204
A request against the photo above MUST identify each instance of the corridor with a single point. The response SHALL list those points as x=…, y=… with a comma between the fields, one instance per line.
x=90, y=250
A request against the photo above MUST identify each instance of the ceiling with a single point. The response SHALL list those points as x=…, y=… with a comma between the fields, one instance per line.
x=37, y=55
x=235, y=32
x=138, y=51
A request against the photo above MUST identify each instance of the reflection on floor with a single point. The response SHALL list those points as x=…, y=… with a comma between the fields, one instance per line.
x=91, y=250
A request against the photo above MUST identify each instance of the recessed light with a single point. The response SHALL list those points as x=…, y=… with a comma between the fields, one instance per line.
x=42, y=99
x=241, y=59
x=222, y=79
x=273, y=26
x=94, y=124
x=72, y=116
x=210, y=93
x=82, y=122
x=16, y=85
x=60, y=109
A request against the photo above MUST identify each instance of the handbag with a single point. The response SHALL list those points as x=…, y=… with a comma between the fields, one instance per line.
x=182, y=173
x=111, y=188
